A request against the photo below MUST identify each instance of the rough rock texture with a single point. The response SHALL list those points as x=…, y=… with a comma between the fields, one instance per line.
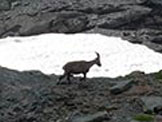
x=151, y=102
x=158, y=118
x=134, y=20
x=121, y=87
x=31, y=96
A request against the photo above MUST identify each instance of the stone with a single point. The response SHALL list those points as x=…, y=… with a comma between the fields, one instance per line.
x=69, y=23
x=96, y=117
x=39, y=27
x=122, y=86
x=158, y=118
x=157, y=2
x=158, y=110
x=32, y=96
x=4, y=5
x=151, y=102
x=128, y=15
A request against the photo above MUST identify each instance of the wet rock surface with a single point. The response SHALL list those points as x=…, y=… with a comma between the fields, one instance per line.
x=31, y=96
x=139, y=21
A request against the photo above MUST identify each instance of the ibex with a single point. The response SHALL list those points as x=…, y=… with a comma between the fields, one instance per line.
x=79, y=67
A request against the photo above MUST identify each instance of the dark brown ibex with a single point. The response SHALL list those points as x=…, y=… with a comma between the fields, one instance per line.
x=78, y=67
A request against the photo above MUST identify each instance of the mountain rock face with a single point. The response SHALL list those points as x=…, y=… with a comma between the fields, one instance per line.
x=31, y=96
x=139, y=21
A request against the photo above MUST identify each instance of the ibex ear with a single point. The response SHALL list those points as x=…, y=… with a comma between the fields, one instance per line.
x=98, y=55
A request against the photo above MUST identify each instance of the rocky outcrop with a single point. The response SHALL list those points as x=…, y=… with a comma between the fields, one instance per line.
x=127, y=15
x=99, y=116
x=121, y=86
x=33, y=96
x=151, y=103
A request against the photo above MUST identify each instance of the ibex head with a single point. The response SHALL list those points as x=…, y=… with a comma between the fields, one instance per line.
x=97, y=60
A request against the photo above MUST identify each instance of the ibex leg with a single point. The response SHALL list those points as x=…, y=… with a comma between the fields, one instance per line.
x=84, y=76
x=68, y=77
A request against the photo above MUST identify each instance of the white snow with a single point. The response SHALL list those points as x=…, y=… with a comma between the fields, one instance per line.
x=49, y=52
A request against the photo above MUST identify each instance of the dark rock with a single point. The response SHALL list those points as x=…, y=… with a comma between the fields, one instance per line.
x=69, y=23
x=158, y=110
x=122, y=86
x=107, y=32
x=127, y=15
x=156, y=2
x=33, y=96
x=36, y=28
x=4, y=5
x=71, y=16
x=158, y=118
x=150, y=37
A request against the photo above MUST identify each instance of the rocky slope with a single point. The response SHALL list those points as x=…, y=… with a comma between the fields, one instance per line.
x=31, y=96
x=139, y=21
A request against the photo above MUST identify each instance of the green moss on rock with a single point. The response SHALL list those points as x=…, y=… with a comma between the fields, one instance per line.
x=144, y=118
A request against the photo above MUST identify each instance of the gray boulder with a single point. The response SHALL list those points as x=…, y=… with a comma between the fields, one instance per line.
x=122, y=86
x=96, y=117
x=69, y=22
x=127, y=15
x=157, y=2
x=151, y=102
x=5, y=5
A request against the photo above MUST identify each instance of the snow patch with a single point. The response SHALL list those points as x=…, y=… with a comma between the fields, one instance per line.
x=49, y=52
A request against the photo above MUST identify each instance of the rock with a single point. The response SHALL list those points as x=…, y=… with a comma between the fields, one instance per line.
x=34, y=96
x=156, y=2
x=158, y=110
x=97, y=117
x=158, y=118
x=122, y=86
x=4, y=5
x=151, y=102
x=127, y=15
x=134, y=121
x=36, y=28
x=107, y=32
x=136, y=74
x=150, y=37
x=69, y=23
x=141, y=1
x=88, y=14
